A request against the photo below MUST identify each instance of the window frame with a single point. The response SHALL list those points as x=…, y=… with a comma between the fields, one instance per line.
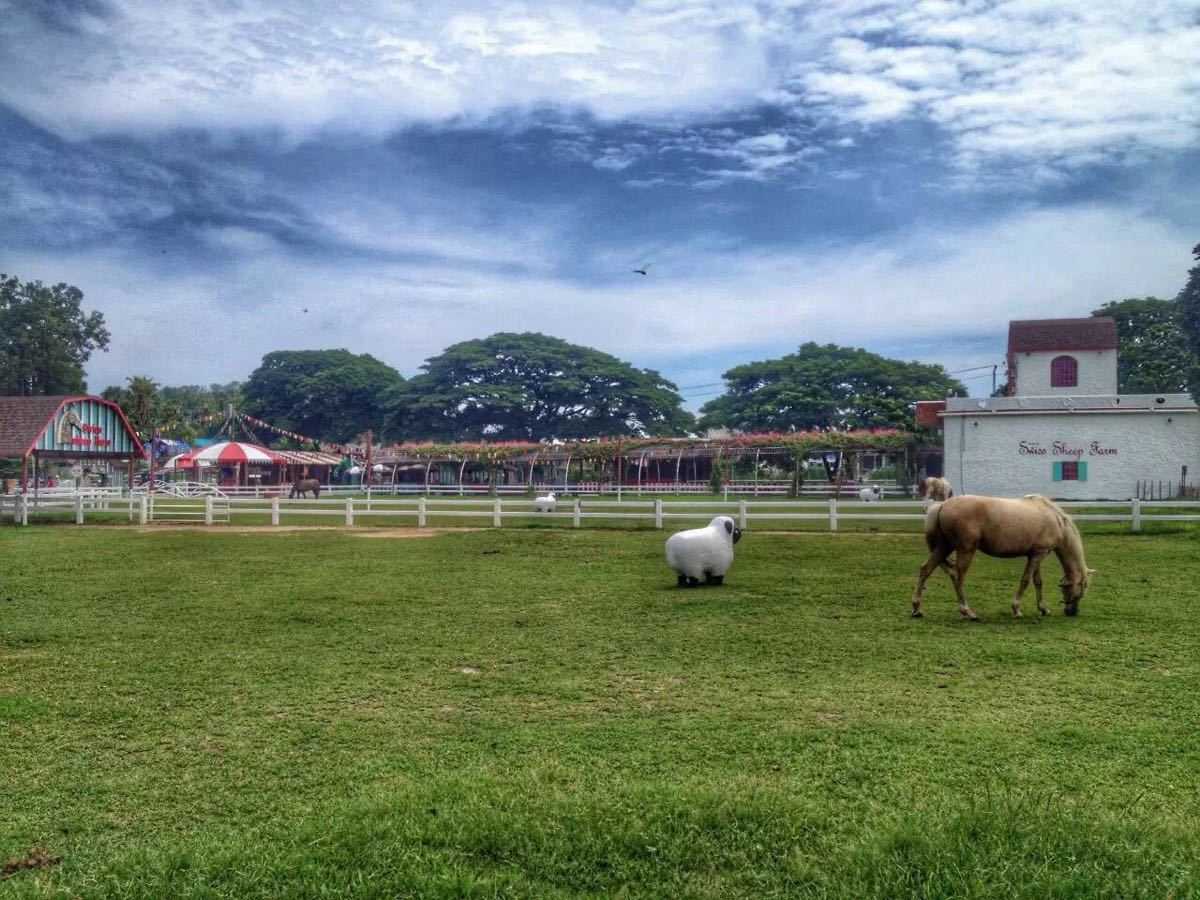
x=1064, y=371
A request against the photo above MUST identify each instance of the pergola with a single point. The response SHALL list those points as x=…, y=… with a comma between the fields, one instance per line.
x=633, y=462
x=71, y=427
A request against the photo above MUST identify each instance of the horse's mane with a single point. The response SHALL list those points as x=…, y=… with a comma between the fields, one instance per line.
x=1070, y=529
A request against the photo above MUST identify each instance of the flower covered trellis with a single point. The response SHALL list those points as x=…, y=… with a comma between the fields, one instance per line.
x=604, y=450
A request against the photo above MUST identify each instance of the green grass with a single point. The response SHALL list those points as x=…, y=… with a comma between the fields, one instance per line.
x=540, y=713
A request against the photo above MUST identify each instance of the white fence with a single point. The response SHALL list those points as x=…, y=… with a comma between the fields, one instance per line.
x=423, y=511
x=579, y=488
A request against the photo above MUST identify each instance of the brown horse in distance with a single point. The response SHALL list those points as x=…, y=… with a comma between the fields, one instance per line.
x=1032, y=526
x=303, y=486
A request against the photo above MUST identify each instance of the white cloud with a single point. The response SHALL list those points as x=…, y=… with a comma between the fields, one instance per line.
x=1061, y=82
x=711, y=297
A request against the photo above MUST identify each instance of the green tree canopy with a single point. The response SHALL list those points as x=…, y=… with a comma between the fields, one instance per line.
x=141, y=402
x=331, y=395
x=45, y=337
x=826, y=386
x=1153, y=352
x=533, y=387
x=1189, y=311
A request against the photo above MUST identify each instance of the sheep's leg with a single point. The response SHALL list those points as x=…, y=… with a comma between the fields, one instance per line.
x=681, y=581
x=962, y=562
x=936, y=558
x=714, y=579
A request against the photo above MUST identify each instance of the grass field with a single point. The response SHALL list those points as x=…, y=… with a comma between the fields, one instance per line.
x=540, y=713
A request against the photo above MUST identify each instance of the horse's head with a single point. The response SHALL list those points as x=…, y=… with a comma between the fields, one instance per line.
x=1073, y=589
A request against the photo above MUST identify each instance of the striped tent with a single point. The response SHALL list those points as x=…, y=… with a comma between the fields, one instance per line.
x=229, y=453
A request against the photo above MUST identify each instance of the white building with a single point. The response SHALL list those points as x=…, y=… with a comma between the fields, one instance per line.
x=1064, y=431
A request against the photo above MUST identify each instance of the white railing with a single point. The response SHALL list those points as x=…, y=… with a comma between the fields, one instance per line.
x=179, y=489
x=211, y=508
x=582, y=488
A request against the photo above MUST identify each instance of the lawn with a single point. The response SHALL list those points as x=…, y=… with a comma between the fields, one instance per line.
x=540, y=713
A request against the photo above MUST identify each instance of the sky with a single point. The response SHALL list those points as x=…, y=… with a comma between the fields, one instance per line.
x=224, y=179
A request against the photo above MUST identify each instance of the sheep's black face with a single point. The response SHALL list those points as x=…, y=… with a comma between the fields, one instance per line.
x=733, y=530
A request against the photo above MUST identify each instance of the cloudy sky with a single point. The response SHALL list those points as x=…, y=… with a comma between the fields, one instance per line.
x=223, y=179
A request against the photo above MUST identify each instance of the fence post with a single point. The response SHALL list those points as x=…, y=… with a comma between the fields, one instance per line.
x=349, y=511
x=420, y=512
x=833, y=514
x=1135, y=523
x=496, y=513
x=658, y=514
x=143, y=509
x=274, y=510
x=208, y=509
x=577, y=518
x=79, y=509
x=742, y=515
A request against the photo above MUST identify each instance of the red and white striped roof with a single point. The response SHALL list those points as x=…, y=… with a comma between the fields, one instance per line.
x=231, y=452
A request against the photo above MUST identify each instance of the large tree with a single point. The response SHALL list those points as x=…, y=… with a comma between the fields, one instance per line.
x=826, y=386
x=1189, y=311
x=45, y=337
x=331, y=395
x=183, y=412
x=141, y=402
x=1153, y=353
x=533, y=387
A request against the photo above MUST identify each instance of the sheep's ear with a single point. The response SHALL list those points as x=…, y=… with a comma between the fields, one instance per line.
x=728, y=526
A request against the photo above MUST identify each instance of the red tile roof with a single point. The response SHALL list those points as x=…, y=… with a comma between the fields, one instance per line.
x=22, y=419
x=1048, y=335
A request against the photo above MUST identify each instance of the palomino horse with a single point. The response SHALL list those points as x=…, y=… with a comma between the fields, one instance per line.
x=938, y=489
x=1032, y=527
x=304, y=485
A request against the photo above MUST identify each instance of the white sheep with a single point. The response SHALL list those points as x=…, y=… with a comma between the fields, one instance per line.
x=546, y=503
x=871, y=494
x=703, y=553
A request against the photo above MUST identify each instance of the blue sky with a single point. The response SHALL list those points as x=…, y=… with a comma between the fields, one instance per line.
x=903, y=176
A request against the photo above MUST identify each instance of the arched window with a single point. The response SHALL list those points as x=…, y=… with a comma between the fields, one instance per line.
x=1064, y=372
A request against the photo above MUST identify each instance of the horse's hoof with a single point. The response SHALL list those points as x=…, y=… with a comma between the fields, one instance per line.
x=917, y=614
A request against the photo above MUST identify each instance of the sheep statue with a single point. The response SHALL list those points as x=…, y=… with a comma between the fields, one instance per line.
x=546, y=503
x=703, y=553
x=871, y=494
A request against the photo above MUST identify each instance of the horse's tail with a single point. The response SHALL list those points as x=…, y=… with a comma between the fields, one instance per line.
x=933, y=526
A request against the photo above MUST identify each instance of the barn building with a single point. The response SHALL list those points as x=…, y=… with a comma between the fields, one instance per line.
x=1063, y=429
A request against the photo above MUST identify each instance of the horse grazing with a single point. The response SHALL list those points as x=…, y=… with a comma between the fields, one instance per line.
x=938, y=489
x=1032, y=527
x=304, y=485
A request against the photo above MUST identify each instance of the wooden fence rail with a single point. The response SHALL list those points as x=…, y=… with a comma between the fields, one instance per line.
x=423, y=511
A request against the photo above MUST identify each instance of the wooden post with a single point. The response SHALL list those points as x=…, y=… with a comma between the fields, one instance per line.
x=742, y=514
x=143, y=509
x=208, y=509
x=420, y=512
x=1135, y=514
x=78, y=507
x=274, y=510
x=658, y=520
x=577, y=519
x=496, y=509
x=23, y=507
x=349, y=512
x=833, y=514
